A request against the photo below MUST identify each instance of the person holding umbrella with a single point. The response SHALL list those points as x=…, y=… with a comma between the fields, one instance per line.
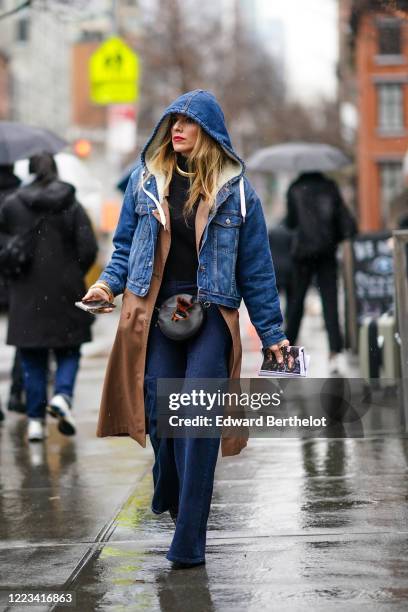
x=191, y=233
x=320, y=220
x=42, y=315
x=19, y=141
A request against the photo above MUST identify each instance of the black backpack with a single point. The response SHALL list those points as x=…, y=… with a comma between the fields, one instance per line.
x=323, y=218
x=17, y=252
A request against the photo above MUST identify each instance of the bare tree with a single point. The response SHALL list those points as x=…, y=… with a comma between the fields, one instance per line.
x=186, y=47
x=180, y=53
x=318, y=122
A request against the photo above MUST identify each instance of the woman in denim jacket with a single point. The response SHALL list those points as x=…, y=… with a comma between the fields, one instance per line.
x=190, y=181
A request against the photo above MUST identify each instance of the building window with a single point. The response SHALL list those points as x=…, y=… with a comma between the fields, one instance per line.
x=389, y=36
x=22, y=30
x=391, y=184
x=390, y=107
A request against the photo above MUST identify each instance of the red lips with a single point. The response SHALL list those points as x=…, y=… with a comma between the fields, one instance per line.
x=178, y=138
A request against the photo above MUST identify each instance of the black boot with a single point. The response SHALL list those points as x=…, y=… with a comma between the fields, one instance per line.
x=16, y=404
x=173, y=514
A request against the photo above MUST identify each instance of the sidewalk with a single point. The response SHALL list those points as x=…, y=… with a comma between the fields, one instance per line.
x=294, y=525
x=60, y=499
x=316, y=524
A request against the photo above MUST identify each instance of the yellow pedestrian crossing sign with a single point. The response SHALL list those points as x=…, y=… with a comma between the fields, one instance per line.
x=114, y=73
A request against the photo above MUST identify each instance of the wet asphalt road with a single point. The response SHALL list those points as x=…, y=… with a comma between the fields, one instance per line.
x=317, y=524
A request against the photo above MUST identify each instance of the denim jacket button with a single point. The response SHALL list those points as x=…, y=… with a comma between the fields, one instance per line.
x=202, y=268
x=227, y=221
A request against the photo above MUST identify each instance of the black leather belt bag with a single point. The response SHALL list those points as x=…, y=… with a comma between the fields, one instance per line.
x=181, y=316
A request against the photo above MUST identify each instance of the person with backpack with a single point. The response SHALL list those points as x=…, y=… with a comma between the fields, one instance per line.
x=320, y=220
x=47, y=245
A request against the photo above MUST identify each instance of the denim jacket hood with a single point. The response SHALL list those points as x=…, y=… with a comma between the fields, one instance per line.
x=203, y=108
x=234, y=255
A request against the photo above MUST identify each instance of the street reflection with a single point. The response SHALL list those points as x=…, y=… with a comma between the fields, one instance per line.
x=326, y=490
x=183, y=590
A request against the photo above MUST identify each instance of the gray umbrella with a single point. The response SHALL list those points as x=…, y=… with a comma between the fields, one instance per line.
x=18, y=141
x=298, y=157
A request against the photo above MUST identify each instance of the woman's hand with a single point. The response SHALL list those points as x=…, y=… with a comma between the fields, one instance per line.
x=97, y=293
x=275, y=348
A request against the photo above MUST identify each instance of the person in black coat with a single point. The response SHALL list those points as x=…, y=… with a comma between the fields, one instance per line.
x=42, y=314
x=9, y=182
x=314, y=207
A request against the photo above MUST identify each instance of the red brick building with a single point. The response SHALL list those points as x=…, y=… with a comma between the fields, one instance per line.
x=375, y=70
x=4, y=87
x=84, y=113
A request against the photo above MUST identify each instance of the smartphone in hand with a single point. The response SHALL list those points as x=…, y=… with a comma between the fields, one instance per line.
x=94, y=306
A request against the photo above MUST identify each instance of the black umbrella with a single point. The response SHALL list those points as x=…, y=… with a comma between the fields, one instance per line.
x=18, y=141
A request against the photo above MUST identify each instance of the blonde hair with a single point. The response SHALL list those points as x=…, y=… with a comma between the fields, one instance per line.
x=206, y=161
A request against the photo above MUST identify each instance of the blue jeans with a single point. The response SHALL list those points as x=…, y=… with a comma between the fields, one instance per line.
x=35, y=369
x=183, y=472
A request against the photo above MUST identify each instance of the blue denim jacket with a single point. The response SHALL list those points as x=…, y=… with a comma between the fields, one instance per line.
x=234, y=258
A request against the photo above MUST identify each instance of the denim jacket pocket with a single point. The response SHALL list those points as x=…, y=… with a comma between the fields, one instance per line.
x=226, y=231
x=224, y=248
x=227, y=219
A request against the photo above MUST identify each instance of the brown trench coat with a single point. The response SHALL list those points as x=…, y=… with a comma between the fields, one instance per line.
x=122, y=411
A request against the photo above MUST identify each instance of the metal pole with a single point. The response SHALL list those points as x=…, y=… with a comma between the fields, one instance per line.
x=115, y=16
x=350, y=291
x=401, y=293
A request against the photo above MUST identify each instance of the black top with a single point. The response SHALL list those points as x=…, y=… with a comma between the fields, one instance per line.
x=182, y=261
